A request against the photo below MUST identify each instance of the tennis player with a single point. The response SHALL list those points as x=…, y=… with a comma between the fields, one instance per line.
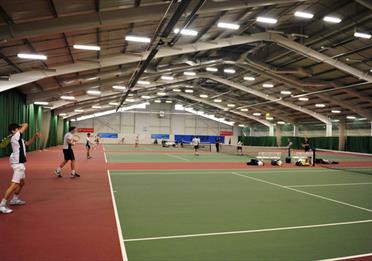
x=196, y=142
x=68, y=153
x=97, y=139
x=136, y=141
x=88, y=145
x=306, y=145
x=239, y=148
x=17, y=162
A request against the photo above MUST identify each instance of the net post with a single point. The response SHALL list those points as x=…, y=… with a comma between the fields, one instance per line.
x=314, y=156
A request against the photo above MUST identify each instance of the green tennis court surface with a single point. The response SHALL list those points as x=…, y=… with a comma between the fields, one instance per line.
x=283, y=214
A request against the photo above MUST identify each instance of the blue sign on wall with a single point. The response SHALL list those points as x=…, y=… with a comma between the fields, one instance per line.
x=160, y=136
x=109, y=135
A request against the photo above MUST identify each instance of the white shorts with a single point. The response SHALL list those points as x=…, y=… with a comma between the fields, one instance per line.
x=18, y=172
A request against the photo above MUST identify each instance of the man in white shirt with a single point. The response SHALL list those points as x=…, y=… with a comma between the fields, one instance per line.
x=136, y=141
x=88, y=145
x=68, y=154
x=196, y=142
x=239, y=148
x=17, y=161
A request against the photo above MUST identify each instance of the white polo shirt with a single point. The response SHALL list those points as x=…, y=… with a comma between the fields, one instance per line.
x=68, y=136
x=18, y=147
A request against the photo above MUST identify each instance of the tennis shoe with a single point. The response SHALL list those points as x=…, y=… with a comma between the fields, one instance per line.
x=17, y=202
x=5, y=210
x=76, y=175
x=58, y=174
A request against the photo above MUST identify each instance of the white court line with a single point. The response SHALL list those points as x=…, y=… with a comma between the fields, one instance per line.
x=118, y=226
x=330, y=185
x=177, y=157
x=300, y=191
x=167, y=173
x=104, y=154
x=346, y=257
x=249, y=231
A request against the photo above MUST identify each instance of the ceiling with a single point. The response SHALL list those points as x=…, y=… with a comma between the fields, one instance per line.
x=309, y=58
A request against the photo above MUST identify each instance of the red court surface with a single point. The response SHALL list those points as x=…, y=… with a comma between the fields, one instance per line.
x=64, y=219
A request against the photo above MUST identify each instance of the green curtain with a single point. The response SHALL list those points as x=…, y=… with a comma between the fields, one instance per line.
x=52, y=139
x=359, y=144
x=34, y=119
x=60, y=130
x=267, y=141
x=66, y=126
x=329, y=143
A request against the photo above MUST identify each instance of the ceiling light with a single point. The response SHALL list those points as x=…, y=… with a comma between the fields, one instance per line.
x=94, y=92
x=157, y=101
x=91, y=78
x=167, y=78
x=188, y=32
x=73, y=120
x=362, y=35
x=269, y=118
x=241, y=125
x=304, y=14
x=320, y=105
x=228, y=25
x=362, y=119
x=119, y=87
x=268, y=85
x=114, y=103
x=231, y=105
x=286, y=92
x=145, y=97
x=249, y=78
x=217, y=100
x=332, y=19
x=229, y=71
x=176, y=90
x=78, y=110
x=62, y=114
x=130, y=100
x=96, y=107
x=211, y=69
x=243, y=109
x=335, y=111
x=189, y=73
x=303, y=99
x=32, y=56
x=281, y=122
x=257, y=114
x=267, y=20
x=168, y=102
x=189, y=91
x=351, y=117
x=138, y=39
x=87, y=47
x=203, y=96
x=143, y=82
x=41, y=103
x=161, y=93
x=65, y=97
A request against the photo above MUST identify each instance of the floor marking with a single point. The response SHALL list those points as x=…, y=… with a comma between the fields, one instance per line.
x=249, y=231
x=177, y=157
x=104, y=154
x=301, y=191
x=168, y=173
x=346, y=257
x=329, y=185
x=118, y=226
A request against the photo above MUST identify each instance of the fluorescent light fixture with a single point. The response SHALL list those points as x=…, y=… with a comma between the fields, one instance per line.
x=244, y=109
x=335, y=111
x=320, y=105
x=286, y=92
x=66, y=97
x=145, y=97
x=78, y=110
x=114, y=103
x=249, y=78
x=231, y=105
x=86, y=47
x=187, y=32
x=304, y=14
x=269, y=118
x=362, y=35
x=138, y=39
x=189, y=91
x=362, y=119
x=303, y=99
x=167, y=78
x=267, y=20
x=177, y=90
x=73, y=120
x=241, y=125
x=203, y=96
x=211, y=69
x=62, y=114
x=130, y=100
x=119, y=87
x=32, y=56
x=168, y=102
x=161, y=93
x=231, y=26
x=335, y=120
x=94, y=92
x=41, y=103
x=189, y=73
x=157, y=101
x=143, y=82
x=217, y=100
x=257, y=114
x=211, y=117
x=351, y=117
x=268, y=85
x=179, y=107
x=332, y=19
x=281, y=122
x=96, y=107
x=229, y=71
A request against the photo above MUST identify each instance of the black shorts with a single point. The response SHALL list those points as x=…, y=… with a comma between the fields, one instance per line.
x=196, y=147
x=87, y=146
x=68, y=154
x=240, y=147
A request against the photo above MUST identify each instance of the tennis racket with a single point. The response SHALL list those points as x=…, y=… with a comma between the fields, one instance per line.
x=75, y=139
x=5, y=142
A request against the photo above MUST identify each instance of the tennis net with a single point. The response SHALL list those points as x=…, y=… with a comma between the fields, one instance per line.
x=202, y=146
x=347, y=161
x=256, y=151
